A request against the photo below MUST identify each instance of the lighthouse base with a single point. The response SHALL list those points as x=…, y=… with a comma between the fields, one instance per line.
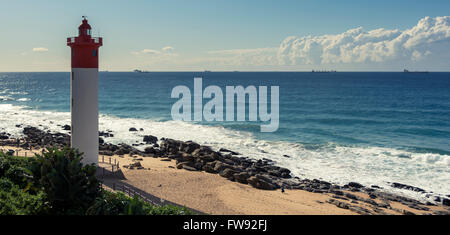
x=84, y=110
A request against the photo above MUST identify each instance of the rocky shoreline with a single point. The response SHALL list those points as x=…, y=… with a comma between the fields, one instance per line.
x=261, y=174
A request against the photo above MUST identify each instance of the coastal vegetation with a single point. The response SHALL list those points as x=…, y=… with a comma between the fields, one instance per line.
x=57, y=183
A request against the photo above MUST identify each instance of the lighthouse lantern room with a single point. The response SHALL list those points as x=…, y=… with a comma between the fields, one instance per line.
x=84, y=92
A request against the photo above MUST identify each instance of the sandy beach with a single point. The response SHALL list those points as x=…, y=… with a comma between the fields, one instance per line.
x=213, y=194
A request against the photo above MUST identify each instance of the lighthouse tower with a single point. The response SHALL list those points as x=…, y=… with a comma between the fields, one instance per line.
x=84, y=92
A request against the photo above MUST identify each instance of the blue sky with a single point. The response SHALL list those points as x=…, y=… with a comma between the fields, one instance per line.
x=205, y=34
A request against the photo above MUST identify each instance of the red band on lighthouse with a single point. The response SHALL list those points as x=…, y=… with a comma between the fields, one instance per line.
x=85, y=47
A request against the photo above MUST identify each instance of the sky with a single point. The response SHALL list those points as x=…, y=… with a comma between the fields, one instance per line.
x=230, y=35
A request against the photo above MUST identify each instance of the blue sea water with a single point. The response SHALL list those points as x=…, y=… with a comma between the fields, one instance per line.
x=374, y=128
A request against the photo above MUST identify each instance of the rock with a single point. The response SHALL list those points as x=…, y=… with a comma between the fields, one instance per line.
x=189, y=147
x=136, y=165
x=351, y=196
x=337, y=192
x=101, y=141
x=209, y=167
x=286, y=156
x=132, y=129
x=407, y=187
x=445, y=202
x=67, y=128
x=260, y=182
x=150, y=139
x=150, y=150
x=189, y=168
x=405, y=212
x=187, y=157
x=228, y=173
x=228, y=151
x=355, y=185
x=219, y=166
x=339, y=204
x=3, y=136
x=241, y=177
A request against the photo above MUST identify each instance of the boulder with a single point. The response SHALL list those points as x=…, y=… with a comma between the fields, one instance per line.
x=3, y=136
x=132, y=129
x=189, y=168
x=445, y=201
x=134, y=165
x=189, y=147
x=150, y=150
x=355, y=185
x=228, y=173
x=150, y=139
x=241, y=177
x=220, y=166
x=261, y=182
x=209, y=167
x=407, y=187
x=187, y=157
x=67, y=128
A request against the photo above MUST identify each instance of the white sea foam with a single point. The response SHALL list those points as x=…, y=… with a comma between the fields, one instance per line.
x=18, y=93
x=5, y=98
x=338, y=164
x=23, y=99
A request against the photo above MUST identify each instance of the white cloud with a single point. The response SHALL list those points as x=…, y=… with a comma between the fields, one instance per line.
x=425, y=46
x=431, y=36
x=167, y=49
x=146, y=51
x=40, y=49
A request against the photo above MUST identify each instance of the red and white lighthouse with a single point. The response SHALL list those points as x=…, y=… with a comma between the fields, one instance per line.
x=84, y=92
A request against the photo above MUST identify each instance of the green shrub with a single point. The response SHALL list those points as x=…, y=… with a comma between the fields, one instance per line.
x=19, y=175
x=4, y=164
x=5, y=184
x=56, y=182
x=119, y=204
x=108, y=204
x=169, y=210
x=70, y=186
x=17, y=202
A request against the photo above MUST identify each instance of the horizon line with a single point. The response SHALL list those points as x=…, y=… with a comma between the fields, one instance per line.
x=239, y=71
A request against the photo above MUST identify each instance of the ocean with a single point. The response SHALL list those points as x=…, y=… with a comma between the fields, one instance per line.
x=372, y=128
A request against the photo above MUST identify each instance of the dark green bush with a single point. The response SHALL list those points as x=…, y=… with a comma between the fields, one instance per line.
x=108, y=204
x=5, y=184
x=70, y=186
x=4, y=164
x=19, y=175
x=169, y=210
x=119, y=204
x=17, y=202
x=56, y=182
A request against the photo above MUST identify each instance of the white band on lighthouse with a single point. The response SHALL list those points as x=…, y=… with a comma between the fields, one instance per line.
x=84, y=109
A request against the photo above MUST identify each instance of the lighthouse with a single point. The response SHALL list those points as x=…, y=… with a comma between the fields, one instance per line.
x=84, y=92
